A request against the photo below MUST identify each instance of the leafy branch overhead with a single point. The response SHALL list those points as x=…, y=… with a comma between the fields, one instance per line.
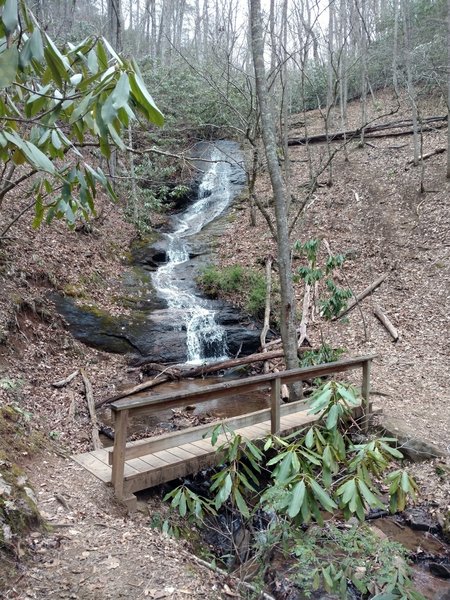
x=51, y=96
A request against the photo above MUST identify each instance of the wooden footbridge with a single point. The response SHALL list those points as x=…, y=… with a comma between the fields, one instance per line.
x=134, y=466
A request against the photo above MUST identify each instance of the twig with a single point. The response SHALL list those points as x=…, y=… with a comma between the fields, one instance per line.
x=66, y=381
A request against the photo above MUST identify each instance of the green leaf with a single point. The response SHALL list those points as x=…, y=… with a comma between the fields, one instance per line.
x=224, y=492
x=9, y=63
x=112, y=52
x=39, y=212
x=347, y=491
x=268, y=444
x=182, y=506
x=284, y=468
x=144, y=101
x=254, y=450
x=102, y=56
x=332, y=417
x=298, y=495
x=348, y=395
x=93, y=62
x=369, y=497
x=327, y=457
x=241, y=504
x=246, y=483
x=309, y=438
x=328, y=503
x=58, y=64
x=33, y=154
x=321, y=400
x=33, y=49
x=10, y=16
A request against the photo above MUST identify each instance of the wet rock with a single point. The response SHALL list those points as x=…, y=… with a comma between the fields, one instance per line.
x=420, y=520
x=152, y=255
x=440, y=570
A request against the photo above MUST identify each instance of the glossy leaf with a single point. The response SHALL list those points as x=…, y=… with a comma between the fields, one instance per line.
x=297, y=498
x=9, y=62
x=10, y=16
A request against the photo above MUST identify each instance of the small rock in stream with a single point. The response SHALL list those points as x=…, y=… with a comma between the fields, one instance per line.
x=440, y=570
x=420, y=520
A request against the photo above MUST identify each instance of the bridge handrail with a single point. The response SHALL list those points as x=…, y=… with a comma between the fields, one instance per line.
x=137, y=406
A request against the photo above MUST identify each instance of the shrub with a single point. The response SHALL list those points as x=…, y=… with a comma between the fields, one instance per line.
x=246, y=285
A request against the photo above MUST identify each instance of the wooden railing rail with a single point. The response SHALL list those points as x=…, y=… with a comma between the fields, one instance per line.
x=125, y=408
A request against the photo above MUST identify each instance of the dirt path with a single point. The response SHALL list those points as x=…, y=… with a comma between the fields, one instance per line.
x=94, y=550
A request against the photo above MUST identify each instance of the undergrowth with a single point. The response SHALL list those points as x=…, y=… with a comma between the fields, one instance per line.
x=294, y=496
x=247, y=285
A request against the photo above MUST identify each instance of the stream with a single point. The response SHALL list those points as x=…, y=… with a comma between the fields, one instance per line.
x=206, y=338
x=169, y=320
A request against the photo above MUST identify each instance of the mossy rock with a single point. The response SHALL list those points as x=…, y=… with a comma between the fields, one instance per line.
x=19, y=513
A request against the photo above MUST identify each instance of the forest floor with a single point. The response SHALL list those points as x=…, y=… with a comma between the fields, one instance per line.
x=373, y=212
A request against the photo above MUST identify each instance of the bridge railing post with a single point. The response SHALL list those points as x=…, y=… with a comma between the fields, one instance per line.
x=118, y=461
x=365, y=393
x=275, y=406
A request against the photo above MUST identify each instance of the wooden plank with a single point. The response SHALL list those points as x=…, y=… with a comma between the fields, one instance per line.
x=191, y=434
x=227, y=388
x=154, y=462
x=181, y=453
x=195, y=450
x=94, y=466
x=120, y=440
x=275, y=399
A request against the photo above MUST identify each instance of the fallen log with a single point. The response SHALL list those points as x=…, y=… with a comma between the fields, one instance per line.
x=199, y=371
x=91, y=407
x=384, y=320
x=369, y=289
x=352, y=133
x=141, y=387
x=427, y=155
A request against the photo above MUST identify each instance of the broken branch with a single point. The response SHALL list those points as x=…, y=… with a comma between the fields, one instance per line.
x=384, y=320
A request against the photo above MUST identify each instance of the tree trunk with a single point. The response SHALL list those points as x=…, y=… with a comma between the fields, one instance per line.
x=410, y=84
x=288, y=304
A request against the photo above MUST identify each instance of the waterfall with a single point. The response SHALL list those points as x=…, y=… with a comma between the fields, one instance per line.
x=206, y=339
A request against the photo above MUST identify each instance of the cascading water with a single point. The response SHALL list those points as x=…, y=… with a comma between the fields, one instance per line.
x=206, y=340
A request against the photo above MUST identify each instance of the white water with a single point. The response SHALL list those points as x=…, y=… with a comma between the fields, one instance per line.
x=206, y=339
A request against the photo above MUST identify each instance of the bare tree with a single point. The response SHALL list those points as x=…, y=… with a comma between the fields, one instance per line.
x=288, y=301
